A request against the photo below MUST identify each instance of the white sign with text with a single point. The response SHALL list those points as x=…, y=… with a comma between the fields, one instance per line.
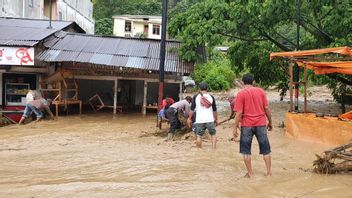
x=16, y=56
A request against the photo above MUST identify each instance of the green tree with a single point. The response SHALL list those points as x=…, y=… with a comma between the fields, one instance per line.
x=254, y=28
x=104, y=26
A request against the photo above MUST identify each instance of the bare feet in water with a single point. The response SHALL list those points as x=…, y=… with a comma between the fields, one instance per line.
x=268, y=175
x=247, y=175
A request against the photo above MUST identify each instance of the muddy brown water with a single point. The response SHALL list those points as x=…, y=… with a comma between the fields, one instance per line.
x=97, y=155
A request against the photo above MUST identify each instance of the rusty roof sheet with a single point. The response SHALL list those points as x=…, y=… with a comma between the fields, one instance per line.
x=27, y=32
x=114, y=51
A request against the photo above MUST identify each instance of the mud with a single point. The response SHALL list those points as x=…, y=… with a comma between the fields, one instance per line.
x=98, y=155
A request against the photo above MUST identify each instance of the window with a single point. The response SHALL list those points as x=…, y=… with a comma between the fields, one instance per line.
x=128, y=26
x=30, y=3
x=156, y=29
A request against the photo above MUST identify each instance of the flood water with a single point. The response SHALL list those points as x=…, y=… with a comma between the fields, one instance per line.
x=97, y=155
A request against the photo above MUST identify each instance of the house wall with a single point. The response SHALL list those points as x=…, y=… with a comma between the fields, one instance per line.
x=21, y=8
x=137, y=28
x=150, y=32
x=119, y=27
x=80, y=11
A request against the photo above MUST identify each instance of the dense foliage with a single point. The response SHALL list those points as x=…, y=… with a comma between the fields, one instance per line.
x=104, y=26
x=217, y=73
x=254, y=28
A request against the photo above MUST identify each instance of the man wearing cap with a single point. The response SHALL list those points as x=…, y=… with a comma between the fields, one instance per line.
x=252, y=110
x=207, y=117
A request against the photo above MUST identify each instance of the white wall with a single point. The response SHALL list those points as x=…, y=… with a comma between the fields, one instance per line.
x=137, y=28
x=150, y=32
x=119, y=27
x=21, y=9
x=79, y=11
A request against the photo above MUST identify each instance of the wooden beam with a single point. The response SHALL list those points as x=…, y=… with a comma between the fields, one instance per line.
x=86, y=77
x=145, y=93
x=305, y=89
x=28, y=69
x=0, y=88
x=115, y=95
x=180, y=95
x=291, y=84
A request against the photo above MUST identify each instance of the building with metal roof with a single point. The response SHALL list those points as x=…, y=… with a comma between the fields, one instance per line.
x=28, y=32
x=115, y=52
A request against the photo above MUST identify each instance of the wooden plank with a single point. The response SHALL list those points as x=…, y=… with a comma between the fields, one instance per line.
x=84, y=77
x=180, y=95
x=305, y=90
x=115, y=95
x=144, y=111
x=291, y=84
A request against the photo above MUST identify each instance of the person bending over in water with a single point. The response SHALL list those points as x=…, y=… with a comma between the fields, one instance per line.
x=37, y=106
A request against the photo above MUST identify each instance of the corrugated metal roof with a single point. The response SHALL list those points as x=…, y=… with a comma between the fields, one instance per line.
x=27, y=32
x=114, y=51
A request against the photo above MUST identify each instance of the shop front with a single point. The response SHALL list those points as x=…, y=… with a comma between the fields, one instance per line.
x=18, y=74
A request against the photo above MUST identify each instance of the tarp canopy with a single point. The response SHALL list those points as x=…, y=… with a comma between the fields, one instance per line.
x=339, y=50
x=328, y=67
x=300, y=57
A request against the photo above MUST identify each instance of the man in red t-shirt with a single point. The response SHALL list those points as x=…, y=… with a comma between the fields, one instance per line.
x=252, y=109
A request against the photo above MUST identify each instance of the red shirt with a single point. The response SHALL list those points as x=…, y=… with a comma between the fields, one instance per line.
x=251, y=102
x=167, y=101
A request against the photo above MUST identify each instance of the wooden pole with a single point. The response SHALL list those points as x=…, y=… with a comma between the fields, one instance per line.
x=115, y=96
x=181, y=91
x=162, y=53
x=144, y=107
x=305, y=89
x=291, y=84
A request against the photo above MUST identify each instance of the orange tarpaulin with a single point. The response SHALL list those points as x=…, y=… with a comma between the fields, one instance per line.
x=328, y=67
x=338, y=50
x=346, y=116
x=326, y=130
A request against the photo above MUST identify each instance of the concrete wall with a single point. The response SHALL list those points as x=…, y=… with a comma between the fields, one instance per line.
x=150, y=32
x=21, y=8
x=119, y=27
x=80, y=11
x=137, y=27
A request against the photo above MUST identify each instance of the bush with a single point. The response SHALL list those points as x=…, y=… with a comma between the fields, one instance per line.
x=216, y=73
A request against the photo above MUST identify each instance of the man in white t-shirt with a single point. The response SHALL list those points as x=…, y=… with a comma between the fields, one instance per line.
x=207, y=117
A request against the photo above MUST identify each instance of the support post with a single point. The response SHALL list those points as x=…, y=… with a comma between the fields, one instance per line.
x=305, y=89
x=181, y=91
x=144, y=107
x=162, y=53
x=291, y=85
x=1, y=88
x=115, y=95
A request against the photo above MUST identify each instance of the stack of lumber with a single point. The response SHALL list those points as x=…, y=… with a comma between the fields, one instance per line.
x=334, y=160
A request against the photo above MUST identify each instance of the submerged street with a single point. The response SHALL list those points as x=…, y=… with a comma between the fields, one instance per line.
x=96, y=155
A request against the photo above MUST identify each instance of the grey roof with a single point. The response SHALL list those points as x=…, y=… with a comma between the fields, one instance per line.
x=137, y=16
x=113, y=51
x=27, y=32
